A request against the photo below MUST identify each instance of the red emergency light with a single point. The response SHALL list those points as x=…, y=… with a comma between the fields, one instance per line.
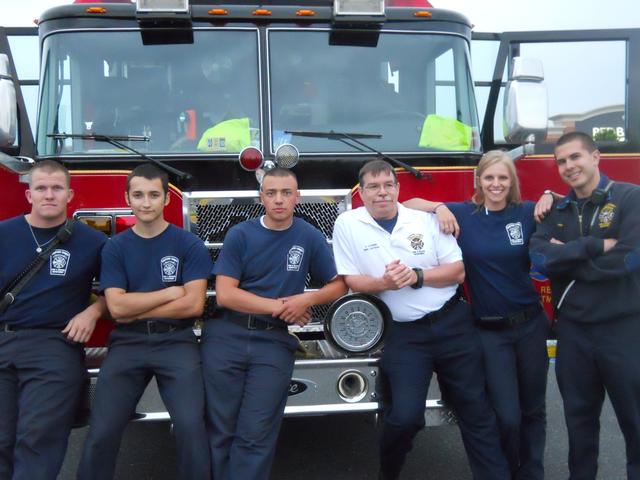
x=251, y=158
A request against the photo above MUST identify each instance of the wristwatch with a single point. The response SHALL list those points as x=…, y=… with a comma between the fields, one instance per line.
x=420, y=278
x=548, y=192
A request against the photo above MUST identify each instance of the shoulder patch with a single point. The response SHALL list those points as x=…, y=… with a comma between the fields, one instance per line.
x=605, y=218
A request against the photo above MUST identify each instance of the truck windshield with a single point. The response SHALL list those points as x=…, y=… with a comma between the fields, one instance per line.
x=414, y=89
x=202, y=95
x=196, y=97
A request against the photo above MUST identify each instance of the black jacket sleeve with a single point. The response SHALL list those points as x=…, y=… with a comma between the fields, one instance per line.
x=560, y=259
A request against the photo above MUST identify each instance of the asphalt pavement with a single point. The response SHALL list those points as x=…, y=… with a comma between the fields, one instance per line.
x=344, y=447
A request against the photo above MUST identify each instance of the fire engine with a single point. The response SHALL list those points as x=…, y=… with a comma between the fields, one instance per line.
x=217, y=93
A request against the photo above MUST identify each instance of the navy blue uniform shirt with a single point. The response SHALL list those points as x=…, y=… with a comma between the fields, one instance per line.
x=495, y=250
x=138, y=264
x=62, y=287
x=275, y=263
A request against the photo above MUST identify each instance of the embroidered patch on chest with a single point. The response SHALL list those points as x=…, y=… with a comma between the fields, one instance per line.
x=605, y=218
x=59, y=262
x=294, y=258
x=416, y=240
x=169, y=266
x=514, y=232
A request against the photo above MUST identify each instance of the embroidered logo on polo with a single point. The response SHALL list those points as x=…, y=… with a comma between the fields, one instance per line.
x=416, y=240
x=59, y=262
x=605, y=218
x=294, y=258
x=169, y=267
x=514, y=232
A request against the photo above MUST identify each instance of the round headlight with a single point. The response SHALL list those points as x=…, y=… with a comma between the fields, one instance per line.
x=357, y=323
x=287, y=155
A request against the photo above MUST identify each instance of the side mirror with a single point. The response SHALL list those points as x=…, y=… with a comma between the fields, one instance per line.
x=8, y=105
x=525, y=105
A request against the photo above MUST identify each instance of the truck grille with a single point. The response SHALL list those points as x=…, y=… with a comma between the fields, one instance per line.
x=211, y=218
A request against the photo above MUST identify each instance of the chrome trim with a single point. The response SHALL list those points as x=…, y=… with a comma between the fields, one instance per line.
x=151, y=417
x=232, y=194
x=310, y=327
x=300, y=410
x=331, y=408
x=348, y=408
x=339, y=362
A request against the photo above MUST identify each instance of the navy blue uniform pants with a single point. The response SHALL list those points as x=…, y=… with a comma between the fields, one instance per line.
x=592, y=359
x=133, y=359
x=451, y=347
x=41, y=377
x=516, y=364
x=247, y=376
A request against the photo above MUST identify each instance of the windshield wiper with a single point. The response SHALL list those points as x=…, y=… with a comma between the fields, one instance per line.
x=184, y=178
x=357, y=144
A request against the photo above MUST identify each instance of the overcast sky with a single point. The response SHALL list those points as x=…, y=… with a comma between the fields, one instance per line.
x=486, y=15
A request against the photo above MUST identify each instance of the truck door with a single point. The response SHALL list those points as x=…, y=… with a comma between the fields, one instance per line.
x=592, y=79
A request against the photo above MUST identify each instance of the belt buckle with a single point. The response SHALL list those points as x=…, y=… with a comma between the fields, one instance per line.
x=151, y=327
x=251, y=323
x=7, y=328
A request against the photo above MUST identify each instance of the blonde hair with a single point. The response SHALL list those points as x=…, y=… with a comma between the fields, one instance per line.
x=489, y=159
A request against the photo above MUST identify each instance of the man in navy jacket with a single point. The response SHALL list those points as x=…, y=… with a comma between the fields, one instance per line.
x=589, y=247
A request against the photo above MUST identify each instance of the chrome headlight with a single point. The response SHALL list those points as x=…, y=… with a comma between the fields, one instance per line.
x=357, y=323
x=287, y=155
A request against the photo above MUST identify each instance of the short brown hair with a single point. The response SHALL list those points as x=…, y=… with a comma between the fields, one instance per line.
x=280, y=172
x=587, y=142
x=150, y=172
x=49, y=166
x=375, y=168
x=493, y=157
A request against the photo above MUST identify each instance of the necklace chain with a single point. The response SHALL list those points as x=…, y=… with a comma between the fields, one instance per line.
x=39, y=245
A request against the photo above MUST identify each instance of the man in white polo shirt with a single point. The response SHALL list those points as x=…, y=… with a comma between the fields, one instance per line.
x=401, y=256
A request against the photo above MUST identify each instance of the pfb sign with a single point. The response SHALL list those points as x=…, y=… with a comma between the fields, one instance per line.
x=618, y=131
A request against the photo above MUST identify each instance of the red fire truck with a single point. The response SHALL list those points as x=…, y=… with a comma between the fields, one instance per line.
x=217, y=93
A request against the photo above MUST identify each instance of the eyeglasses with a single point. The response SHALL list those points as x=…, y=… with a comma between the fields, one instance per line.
x=376, y=187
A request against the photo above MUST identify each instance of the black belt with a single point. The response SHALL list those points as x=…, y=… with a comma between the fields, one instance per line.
x=152, y=326
x=436, y=315
x=6, y=327
x=251, y=322
x=509, y=321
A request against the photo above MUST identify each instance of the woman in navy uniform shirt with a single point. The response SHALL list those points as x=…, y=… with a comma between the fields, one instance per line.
x=495, y=228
